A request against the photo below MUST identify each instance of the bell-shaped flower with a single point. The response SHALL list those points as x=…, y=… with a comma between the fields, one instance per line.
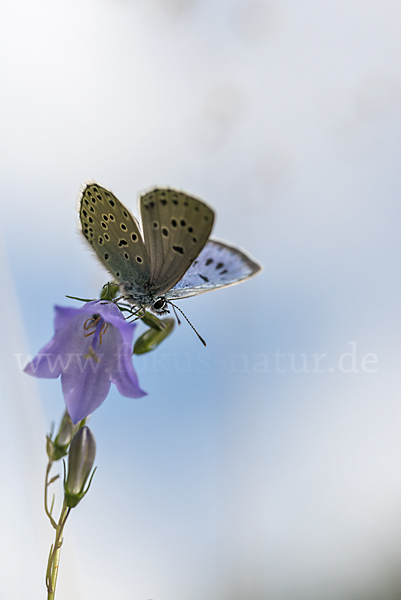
x=91, y=348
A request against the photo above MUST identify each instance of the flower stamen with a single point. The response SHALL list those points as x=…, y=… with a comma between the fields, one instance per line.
x=92, y=322
x=102, y=332
x=90, y=333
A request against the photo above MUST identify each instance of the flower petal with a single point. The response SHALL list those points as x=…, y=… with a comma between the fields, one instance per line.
x=85, y=386
x=124, y=375
x=64, y=314
x=50, y=360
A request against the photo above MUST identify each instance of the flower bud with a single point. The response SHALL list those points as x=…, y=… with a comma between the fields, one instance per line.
x=153, y=337
x=80, y=462
x=58, y=447
x=109, y=291
x=152, y=321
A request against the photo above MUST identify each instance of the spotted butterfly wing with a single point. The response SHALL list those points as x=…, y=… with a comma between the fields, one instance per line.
x=218, y=265
x=176, y=227
x=114, y=235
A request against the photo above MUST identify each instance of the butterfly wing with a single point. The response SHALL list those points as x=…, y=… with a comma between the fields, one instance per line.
x=218, y=265
x=175, y=227
x=114, y=235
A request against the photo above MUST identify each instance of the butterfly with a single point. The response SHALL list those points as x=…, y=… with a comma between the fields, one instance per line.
x=172, y=256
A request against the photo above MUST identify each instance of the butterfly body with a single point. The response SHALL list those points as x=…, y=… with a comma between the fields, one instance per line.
x=171, y=258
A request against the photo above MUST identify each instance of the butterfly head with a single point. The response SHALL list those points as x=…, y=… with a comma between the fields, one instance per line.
x=143, y=297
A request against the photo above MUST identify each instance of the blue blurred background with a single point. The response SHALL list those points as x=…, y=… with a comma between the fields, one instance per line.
x=268, y=465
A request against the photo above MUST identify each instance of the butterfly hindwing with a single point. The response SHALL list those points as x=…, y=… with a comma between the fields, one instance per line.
x=114, y=235
x=218, y=265
x=175, y=227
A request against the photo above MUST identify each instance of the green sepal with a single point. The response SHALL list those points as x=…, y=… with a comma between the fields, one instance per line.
x=71, y=500
x=80, y=299
x=55, y=452
x=149, y=340
x=109, y=291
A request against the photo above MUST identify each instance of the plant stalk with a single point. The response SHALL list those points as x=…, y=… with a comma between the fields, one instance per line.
x=54, y=556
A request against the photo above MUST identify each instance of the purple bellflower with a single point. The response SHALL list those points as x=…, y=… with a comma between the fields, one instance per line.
x=91, y=348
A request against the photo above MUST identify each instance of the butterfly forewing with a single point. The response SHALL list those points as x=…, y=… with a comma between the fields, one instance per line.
x=218, y=265
x=114, y=235
x=175, y=227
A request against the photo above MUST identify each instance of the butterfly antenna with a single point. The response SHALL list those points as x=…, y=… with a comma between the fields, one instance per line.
x=188, y=321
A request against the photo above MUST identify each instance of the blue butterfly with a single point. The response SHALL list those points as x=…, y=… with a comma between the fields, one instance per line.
x=171, y=258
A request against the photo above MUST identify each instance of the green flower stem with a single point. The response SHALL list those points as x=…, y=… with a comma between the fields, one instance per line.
x=54, y=556
x=47, y=483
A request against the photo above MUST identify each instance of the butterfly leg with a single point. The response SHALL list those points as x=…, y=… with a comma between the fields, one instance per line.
x=135, y=313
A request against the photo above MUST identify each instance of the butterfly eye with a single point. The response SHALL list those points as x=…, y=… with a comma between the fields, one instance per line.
x=160, y=304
